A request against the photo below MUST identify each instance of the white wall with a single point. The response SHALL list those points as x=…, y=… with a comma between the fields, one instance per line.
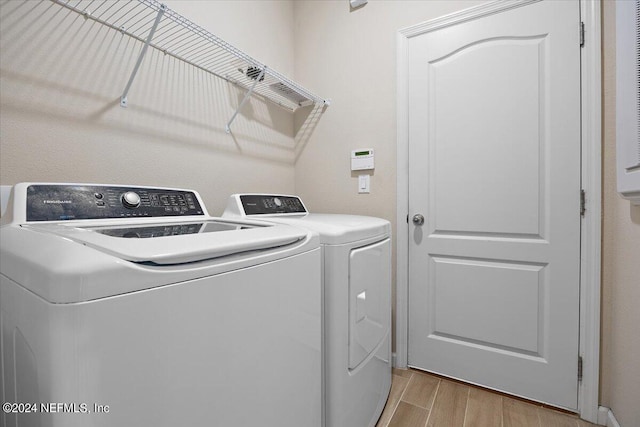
x=60, y=82
x=620, y=374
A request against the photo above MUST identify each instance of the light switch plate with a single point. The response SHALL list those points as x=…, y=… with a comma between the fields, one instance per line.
x=364, y=183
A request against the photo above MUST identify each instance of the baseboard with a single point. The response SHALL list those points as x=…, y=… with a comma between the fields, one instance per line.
x=606, y=417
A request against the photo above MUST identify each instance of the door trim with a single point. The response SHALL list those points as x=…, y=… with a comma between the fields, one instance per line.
x=590, y=260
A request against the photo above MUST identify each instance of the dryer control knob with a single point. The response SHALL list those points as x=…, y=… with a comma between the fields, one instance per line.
x=130, y=200
x=277, y=201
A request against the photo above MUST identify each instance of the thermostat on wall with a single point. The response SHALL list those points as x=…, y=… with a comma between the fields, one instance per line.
x=362, y=159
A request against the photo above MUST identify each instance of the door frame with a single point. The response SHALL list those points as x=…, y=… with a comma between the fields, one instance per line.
x=591, y=176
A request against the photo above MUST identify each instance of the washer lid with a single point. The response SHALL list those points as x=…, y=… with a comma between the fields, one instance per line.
x=69, y=264
x=176, y=242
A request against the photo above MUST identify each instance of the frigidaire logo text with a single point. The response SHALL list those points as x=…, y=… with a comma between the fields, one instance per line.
x=57, y=202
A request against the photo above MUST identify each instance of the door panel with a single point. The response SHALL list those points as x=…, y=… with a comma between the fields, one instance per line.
x=494, y=166
x=466, y=307
x=466, y=136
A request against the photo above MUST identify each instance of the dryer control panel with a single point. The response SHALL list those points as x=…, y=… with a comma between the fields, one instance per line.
x=268, y=204
x=56, y=202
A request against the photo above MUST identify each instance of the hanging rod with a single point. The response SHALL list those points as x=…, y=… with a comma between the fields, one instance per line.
x=161, y=28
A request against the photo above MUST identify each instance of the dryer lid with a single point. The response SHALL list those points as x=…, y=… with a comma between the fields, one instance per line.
x=171, y=243
x=334, y=229
x=337, y=229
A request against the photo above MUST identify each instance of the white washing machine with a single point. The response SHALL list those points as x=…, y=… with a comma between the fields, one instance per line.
x=356, y=252
x=130, y=306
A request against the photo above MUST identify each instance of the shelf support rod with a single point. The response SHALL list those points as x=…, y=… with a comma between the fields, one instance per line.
x=227, y=128
x=123, y=98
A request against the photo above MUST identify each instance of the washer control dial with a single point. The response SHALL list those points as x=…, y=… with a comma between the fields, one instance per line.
x=130, y=200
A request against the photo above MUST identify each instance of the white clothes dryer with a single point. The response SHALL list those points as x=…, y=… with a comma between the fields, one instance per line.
x=130, y=306
x=356, y=253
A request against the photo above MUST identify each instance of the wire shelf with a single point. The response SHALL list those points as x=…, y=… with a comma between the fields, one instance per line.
x=159, y=27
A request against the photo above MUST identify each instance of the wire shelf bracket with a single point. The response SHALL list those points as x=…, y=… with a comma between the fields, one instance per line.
x=155, y=25
x=227, y=128
x=123, y=98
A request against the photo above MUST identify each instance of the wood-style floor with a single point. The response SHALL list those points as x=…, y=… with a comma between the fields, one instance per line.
x=418, y=399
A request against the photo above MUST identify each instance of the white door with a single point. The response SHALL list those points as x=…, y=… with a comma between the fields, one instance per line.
x=494, y=168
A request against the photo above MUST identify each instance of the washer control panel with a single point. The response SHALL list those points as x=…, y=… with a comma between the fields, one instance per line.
x=55, y=202
x=267, y=204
